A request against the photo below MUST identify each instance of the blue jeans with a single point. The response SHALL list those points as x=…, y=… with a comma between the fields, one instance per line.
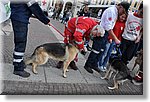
x=104, y=58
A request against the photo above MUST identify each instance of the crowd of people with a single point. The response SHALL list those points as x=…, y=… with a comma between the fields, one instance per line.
x=121, y=27
x=117, y=27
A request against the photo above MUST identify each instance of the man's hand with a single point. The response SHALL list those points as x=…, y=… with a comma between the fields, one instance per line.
x=117, y=41
x=49, y=23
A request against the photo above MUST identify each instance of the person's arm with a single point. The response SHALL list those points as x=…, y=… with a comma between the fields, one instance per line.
x=37, y=11
x=107, y=21
x=78, y=35
x=111, y=33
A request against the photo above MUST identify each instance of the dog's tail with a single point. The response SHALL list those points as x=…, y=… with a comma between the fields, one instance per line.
x=30, y=60
x=33, y=56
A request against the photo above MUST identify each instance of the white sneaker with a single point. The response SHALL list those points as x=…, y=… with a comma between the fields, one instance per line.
x=104, y=68
x=101, y=68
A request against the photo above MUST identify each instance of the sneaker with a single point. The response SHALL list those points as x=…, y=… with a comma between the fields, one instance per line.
x=73, y=66
x=59, y=64
x=138, y=79
x=88, y=69
x=137, y=82
x=23, y=74
x=102, y=68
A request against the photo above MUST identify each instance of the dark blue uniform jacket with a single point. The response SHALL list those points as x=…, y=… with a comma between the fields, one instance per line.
x=21, y=12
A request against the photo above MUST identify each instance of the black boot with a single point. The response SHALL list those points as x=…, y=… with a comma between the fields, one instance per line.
x=72, y=65
x=59, y=64
x=96, y=69
x=88, y=69
x=19, y=69
x=23, y=73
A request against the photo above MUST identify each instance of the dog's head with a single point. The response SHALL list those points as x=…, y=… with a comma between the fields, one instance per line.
x=117, y=52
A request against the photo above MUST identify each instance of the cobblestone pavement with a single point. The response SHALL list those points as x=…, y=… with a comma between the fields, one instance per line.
x=36, y=88
x=39, y=34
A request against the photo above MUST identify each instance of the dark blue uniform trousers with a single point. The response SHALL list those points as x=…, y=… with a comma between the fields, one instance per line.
x=99, y=44
x=20, y=38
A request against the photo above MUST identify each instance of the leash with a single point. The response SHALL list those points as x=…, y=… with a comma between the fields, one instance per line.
x=57, y=30
x=63, y=36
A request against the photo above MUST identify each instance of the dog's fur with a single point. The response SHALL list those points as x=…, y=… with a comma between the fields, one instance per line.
x=139, y=59
x=58, y=51
x=122, y=73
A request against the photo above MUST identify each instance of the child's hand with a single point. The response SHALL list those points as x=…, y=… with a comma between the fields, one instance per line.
x=117, y=41
x=137, y=39
x=110, y=40
x=49, y=24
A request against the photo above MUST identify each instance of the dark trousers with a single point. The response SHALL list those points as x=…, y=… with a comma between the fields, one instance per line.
x=99, y=44
x=20, y=38
x=138, y=47
x=127, y=49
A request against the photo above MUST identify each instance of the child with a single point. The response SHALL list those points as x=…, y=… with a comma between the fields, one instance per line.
x=131, y=36
x=118, y=30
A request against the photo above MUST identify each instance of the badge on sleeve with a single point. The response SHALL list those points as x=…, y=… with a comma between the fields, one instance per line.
x=110, y=18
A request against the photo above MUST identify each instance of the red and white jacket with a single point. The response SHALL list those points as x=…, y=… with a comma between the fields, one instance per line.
x=78, y=29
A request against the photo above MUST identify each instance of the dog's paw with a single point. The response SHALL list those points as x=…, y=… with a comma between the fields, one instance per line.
x=64, y=76
x=103, y=78
x=112, y=88
x=35, y=72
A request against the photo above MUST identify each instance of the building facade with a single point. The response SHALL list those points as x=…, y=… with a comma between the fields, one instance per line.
x=76, y=5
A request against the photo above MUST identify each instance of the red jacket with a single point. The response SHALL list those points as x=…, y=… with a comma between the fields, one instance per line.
x=118, y=29
x=77, y=29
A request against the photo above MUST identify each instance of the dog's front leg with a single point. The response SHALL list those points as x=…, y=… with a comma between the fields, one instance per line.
x=107, y=73
x=116, y=85
x=110, y=74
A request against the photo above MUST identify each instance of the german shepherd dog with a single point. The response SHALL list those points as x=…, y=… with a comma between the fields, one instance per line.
x=122, y=73
x=57, y=51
